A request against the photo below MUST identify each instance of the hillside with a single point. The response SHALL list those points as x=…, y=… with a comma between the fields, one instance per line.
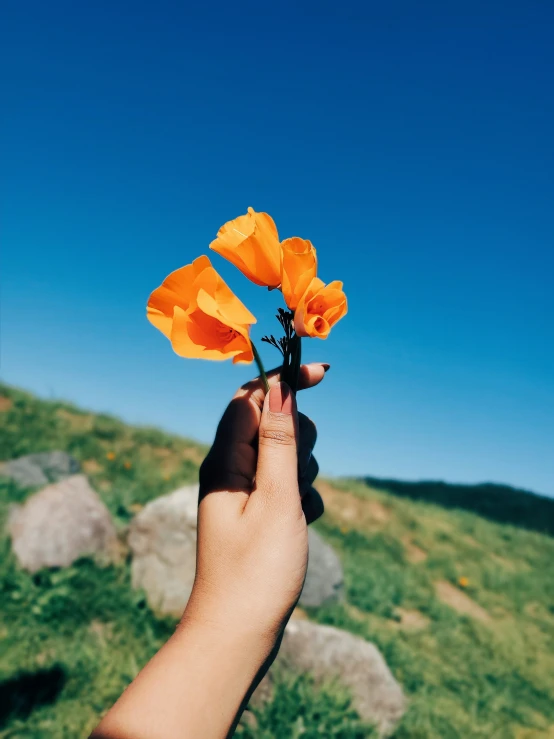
x=455, y=586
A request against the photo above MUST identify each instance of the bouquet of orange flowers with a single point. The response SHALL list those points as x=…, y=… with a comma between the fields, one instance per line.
x=204, y=319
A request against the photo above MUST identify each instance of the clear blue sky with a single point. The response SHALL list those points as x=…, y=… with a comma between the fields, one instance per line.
x=413, y=143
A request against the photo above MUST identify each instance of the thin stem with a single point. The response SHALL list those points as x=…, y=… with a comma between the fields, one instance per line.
x=261, y=369
x=297, y=362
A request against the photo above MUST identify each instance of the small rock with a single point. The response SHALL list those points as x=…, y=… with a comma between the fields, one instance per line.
x=34, y=470
x=324, y=578
x=61, y=523
x=328, y=653
x=162, y=538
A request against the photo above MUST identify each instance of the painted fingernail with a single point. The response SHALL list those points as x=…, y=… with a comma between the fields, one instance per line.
x=280, y=398
x=326, y=366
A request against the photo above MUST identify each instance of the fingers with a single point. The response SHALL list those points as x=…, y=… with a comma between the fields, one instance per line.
x=307, y=438
x=306, y=480
x=277, y=470
x=239, y=424
x=312, y=505
x=310, y=375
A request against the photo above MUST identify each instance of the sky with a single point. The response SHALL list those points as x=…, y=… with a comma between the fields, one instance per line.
x=412, y=143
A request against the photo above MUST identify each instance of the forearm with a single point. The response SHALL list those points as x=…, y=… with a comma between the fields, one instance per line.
x=193, y=687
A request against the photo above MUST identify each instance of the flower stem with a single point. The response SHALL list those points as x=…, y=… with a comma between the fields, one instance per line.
x=261, y=369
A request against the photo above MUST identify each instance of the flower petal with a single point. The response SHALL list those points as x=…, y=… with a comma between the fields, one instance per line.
x=251, y=243
x=298, y=269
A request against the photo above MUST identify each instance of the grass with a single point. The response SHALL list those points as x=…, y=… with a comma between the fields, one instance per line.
x=476, y=659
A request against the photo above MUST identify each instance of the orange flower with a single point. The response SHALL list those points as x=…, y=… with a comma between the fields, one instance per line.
x=200, y=315
x=298, y=269
x=463, y=582
x=251, y=243
x=127, y=465
x=110, y=456
x=320, y=308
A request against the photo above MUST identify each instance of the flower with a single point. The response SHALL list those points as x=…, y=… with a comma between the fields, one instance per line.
x=320, y=308
x=463, y=582
x=110, y=456
x=298, y=269
x=251, y=243
x=200, y=314
x=127, y=465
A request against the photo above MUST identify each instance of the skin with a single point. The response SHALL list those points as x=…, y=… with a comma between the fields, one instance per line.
x=256, y=501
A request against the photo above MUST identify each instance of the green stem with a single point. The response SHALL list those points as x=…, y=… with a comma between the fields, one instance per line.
x=261, y=369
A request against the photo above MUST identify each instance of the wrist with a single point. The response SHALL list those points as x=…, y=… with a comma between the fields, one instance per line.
x=225, y=631
x=234, y=621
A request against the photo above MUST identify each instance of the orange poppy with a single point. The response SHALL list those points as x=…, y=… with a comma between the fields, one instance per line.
x=320, y=308
x=201, y=315
x=251, y=243
x=298, y=269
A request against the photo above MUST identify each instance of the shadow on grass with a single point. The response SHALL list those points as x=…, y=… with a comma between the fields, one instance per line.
x=500, y=503
x=22, y=694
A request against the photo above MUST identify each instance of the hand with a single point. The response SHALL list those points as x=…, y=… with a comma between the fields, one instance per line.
x=256, y=499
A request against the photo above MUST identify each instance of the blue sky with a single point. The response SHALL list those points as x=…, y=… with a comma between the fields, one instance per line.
x=412, y=143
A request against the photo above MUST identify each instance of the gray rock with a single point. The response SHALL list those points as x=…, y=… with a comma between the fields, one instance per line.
x=162, y=538
x=61, y=523
x=324, y=578
x=35, y=470
x=328, y=653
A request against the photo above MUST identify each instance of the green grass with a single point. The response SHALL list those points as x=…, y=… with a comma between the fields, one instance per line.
x=72, y=639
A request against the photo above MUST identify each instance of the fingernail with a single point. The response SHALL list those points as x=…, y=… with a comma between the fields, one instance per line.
x=326, y=366
x=280, y=398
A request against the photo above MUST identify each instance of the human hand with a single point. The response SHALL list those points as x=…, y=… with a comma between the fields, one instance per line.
x=256, y=499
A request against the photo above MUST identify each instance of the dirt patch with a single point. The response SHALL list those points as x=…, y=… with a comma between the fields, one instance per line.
x=5, y=404
x=460, y=601
x=470, y=541
x=76, y=421
x=91, y=466
x=102, y=631
x=195, y=455
x=411, y=619
x=414, y=554
x=348, y=508
x=161, y=452
x=523, y=732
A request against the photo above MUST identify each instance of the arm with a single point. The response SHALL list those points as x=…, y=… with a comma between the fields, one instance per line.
x=251, y=564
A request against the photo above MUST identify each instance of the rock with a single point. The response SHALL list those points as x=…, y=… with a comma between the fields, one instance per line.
x=328, y=653
x=163, y=541
x=162, y=538
x=35, y=470
x=61, y=523
x=324, y=578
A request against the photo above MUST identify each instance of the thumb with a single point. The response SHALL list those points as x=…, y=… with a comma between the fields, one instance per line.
x=277, y=471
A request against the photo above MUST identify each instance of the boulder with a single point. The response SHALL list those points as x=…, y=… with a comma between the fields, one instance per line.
x=324, y=578
x=35, y=470
x=327, y=654
x=162, y=538
x=61, y=523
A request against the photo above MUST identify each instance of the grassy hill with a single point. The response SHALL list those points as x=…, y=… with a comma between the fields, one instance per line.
x=454, y=584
